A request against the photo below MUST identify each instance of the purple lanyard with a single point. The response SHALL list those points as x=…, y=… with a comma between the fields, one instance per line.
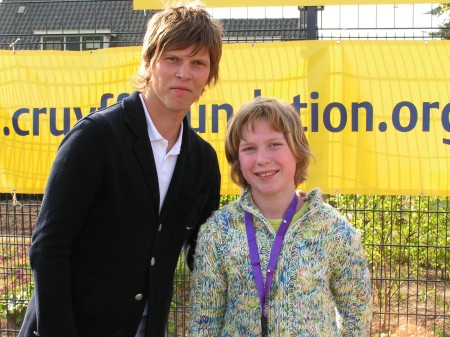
x=263, y=291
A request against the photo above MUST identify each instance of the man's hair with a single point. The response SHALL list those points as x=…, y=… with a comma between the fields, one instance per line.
x=283, y=118
x=179, y=27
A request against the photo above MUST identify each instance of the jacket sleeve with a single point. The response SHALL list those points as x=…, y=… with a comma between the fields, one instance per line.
x=73, y=183
x=351, y=283
x=212, y=204
x=208, y=294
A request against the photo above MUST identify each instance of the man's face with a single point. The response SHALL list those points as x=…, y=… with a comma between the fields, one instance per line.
x=178, y=79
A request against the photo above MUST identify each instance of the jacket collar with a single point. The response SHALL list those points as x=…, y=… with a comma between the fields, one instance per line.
x=137, y=124
x=313, y=198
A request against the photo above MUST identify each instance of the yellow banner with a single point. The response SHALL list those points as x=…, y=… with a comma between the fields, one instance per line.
x=377, y=113
x=159, y=4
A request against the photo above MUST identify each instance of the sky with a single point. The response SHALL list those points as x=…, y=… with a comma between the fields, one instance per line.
x=352, y=19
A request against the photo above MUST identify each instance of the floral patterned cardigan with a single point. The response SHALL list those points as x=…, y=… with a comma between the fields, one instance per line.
x=321, y=286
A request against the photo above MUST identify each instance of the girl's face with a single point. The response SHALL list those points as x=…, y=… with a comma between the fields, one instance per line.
x=267, y=162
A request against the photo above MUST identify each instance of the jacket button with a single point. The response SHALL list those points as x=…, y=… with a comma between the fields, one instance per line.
x=138, y=297
x=160, y=227
x=152, y=261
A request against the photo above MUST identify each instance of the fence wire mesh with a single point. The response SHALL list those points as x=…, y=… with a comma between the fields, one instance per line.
x=407, y=240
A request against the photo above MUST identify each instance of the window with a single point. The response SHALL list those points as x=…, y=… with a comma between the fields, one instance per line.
x=75, y=42
x=53, y=43
x=92, y=42
x=21, y=10
x=72, y=43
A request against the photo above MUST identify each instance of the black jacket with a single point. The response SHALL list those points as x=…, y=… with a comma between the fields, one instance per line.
x=100, y=250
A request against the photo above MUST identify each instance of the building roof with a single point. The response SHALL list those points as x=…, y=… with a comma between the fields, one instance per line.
x=267, y=29
x=31, y=19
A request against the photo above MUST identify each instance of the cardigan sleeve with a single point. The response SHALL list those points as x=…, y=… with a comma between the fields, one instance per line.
x=72, y=184
x=351, y=283
x=209, y=284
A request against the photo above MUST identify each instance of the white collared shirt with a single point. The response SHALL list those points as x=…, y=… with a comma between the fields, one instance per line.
x=164, y=161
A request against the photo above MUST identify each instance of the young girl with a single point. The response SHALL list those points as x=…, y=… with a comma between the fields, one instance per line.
x=274, y=262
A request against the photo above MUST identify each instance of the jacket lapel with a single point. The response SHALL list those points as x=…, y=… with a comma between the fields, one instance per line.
x=135, y=119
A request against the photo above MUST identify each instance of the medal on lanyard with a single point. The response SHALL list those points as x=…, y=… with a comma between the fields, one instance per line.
x=263, y=290
x=264, y=329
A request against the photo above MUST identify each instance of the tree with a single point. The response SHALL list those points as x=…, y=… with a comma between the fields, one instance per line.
x=444, y=32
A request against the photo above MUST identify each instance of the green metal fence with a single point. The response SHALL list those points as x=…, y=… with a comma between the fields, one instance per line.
x=407, y=240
